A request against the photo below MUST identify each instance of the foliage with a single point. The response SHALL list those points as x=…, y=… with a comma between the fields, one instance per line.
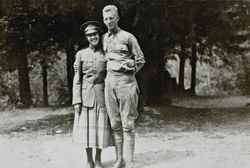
x=8, y=89
x=39, y=29
x=57, y=82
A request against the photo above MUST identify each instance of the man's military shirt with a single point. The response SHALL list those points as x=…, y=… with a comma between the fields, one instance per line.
x=121, y=47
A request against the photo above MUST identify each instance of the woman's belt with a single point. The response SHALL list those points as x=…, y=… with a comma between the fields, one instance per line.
x=94, y=81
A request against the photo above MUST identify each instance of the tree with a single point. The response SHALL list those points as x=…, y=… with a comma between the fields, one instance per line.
x=45, y=46
x=65, y=29
x=222, y=33
x=26, y=31
x=18, y=42
x=195, y=30
x=207, y=24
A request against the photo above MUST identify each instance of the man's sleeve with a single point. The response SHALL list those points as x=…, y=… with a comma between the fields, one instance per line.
x=76, y=98
x=136, y=52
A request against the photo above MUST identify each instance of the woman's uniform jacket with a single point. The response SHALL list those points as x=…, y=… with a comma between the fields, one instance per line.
x=88, y=84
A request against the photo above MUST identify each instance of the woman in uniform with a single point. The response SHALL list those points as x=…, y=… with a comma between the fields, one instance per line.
x=91, y=124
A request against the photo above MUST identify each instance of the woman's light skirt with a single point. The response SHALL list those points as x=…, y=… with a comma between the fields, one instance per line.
x=91, y=128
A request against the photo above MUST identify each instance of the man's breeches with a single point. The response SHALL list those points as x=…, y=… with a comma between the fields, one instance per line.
x=121, y=98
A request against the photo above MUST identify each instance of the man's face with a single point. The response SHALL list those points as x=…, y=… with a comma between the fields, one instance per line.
x=110, y=19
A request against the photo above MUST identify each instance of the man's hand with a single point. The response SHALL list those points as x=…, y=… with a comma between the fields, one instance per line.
x=77, y=108
x=129, y=66
x=130, y=70
x=130, y=63
x=75, y=68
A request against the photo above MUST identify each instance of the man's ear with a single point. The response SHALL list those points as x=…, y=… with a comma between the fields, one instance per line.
x=118, y=18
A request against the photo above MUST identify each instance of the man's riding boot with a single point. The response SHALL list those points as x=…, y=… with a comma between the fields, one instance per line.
x=129, y=139
x=118, y=140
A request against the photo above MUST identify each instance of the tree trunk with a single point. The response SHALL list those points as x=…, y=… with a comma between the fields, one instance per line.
x=45, y=84
x=24, y=83
x=70, y=72
x=246, y=65
x=182, y=68
x=193, y=65
x=142, y=82
x=155, y=78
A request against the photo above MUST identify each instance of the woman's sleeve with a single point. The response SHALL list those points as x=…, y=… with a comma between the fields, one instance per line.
x=77, y=83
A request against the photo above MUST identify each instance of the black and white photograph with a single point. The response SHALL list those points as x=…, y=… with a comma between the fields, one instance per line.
x=124, y=83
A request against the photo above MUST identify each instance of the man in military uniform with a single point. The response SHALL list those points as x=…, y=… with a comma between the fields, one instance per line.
x=124, y=60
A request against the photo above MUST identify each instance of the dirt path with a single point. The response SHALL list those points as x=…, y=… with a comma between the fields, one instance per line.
x=193, y=150
x=173, y=137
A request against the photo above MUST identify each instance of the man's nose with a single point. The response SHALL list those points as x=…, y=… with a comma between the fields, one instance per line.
x=108, y=20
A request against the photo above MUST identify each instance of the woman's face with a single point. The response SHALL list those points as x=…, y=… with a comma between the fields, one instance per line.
x=93, y=39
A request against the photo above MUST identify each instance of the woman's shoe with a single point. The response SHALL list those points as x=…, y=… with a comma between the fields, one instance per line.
x=98, y=164
x=90, y=165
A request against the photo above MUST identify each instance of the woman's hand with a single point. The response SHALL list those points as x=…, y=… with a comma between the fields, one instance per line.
x=75, y=67
x=77, y=108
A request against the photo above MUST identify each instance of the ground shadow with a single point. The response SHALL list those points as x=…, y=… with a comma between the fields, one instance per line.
x=179, y=119
x=153, y=158
x=162, y=156
x=50, y=125
x=154, y=119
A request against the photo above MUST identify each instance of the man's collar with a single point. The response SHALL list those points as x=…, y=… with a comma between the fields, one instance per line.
x=114, y=32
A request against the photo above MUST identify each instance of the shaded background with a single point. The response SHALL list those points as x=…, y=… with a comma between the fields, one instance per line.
x=192, y=48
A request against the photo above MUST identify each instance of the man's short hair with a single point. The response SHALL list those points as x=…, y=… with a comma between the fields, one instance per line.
x=110, y=8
